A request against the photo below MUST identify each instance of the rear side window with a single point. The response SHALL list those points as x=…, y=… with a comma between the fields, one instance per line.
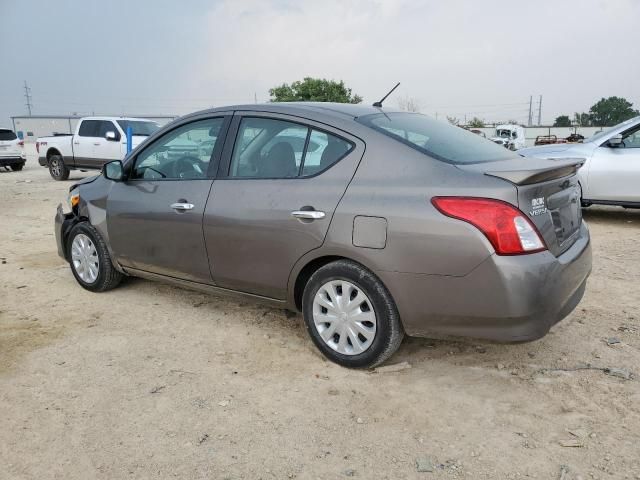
x=271, y=148
x=7, y=135
x=89, y=128
x=436, y=138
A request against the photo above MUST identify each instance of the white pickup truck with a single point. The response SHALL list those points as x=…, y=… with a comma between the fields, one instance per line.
x=97, y=140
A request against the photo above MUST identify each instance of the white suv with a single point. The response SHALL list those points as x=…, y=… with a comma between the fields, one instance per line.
x=11, y=150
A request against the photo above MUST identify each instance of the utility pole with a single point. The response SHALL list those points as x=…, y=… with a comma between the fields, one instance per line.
x=540, y=111
x=27, y=95
x=530, y=112
x=255, y=97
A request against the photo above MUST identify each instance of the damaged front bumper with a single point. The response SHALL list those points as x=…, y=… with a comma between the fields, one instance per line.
x=62, y=226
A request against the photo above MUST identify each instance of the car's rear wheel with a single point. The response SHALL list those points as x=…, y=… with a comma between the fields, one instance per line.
x=17, y=167
x=89, y=259
x=57, y=169
x=350, y=315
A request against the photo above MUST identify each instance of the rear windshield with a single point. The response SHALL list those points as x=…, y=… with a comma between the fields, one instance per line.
x=7, y=135
x=139, y=128
x=436, y=138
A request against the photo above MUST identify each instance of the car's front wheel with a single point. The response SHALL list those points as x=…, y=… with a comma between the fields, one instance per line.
x=89, y=259
x=350, y=315
x=17, y=167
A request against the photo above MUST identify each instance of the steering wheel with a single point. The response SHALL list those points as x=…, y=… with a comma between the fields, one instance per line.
x=188, y=166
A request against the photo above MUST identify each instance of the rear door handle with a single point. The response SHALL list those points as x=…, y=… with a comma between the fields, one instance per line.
x=182, y=206
x=308, y=214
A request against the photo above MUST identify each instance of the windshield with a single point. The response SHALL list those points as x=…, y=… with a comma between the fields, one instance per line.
x=139, y=127
x=436, y=138
x=604, y=133
x=7, y=135
x=504, y=133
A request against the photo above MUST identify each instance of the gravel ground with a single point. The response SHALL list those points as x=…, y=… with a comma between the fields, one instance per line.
x=152, y=381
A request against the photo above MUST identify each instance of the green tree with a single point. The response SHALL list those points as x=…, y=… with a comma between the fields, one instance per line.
x=476, y=123
x=562, y=121
x=314, y=90
x=611, y=111
x=453, y=120
x=582, y=119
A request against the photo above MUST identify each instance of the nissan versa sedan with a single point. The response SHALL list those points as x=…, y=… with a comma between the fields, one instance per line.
x=373, y=223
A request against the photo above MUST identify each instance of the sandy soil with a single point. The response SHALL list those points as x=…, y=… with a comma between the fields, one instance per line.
x=151, y=381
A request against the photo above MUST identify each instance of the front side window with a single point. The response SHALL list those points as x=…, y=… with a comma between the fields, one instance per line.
x=436, y=138
x=89, y=128
x=183, y=153
x=631, y=139
x=271, y=148
x=107, y=126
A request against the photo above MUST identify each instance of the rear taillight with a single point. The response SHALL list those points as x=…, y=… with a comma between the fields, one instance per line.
x=21, y=143
x=38, y=147
x=507, y=228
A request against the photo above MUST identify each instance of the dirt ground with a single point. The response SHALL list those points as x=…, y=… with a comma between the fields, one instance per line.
x=152, y=381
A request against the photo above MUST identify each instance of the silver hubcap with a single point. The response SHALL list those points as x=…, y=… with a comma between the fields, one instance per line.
x=55, y=167
x=84, y=257
x=344, y=317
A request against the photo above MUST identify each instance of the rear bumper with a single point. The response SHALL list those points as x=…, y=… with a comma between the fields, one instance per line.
x=506, y=298
x=62, y=226
x=8, y=161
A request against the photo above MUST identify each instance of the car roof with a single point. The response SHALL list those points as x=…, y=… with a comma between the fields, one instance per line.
x=325, y=109
x=116, y=118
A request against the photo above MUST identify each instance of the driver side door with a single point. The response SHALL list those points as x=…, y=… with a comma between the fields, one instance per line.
x=154, y=217
x=614, y=171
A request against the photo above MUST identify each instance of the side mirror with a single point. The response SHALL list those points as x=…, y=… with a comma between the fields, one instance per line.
x=111, y=136
x=113, y=171
x=615, y=141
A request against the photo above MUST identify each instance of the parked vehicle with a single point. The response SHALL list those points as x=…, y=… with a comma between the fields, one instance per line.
x=12, y=155
x=551, y=139
x=509, y=136
x=391, y=222
x=478, y=132
x=97, y=140
x=611, y=174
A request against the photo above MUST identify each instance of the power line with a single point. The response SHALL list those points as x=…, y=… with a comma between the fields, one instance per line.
x=27, y=95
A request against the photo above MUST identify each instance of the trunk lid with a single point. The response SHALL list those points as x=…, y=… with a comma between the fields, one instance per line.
x=548, y=193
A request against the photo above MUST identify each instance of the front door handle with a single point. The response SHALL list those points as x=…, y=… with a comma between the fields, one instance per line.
x=182, y=206
x=308, y=214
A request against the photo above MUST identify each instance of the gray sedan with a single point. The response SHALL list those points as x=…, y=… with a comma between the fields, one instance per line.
x=372, y=223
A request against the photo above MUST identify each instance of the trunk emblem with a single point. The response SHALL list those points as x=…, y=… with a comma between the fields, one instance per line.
x=537, y=207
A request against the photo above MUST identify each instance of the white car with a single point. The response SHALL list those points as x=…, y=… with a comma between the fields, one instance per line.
x=611, y=173
x=509, y=136
x=11, y=150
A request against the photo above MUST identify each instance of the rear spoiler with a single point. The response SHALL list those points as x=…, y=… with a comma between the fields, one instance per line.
x=536, y=170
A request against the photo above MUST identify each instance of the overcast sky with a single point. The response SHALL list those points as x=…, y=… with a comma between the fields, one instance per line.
x=455, y=57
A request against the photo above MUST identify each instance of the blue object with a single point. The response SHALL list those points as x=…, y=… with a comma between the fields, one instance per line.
x=129, y=139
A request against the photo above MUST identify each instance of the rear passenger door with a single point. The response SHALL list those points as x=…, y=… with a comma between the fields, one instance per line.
x=273, y=198
x=83, y=143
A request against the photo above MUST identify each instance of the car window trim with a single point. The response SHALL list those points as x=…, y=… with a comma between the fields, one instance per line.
x=225, y=165
x=215, y=157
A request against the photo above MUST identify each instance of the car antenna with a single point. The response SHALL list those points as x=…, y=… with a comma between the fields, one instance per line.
x=379, y=103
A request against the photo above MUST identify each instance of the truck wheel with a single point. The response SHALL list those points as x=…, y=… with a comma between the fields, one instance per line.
x=350, y=315
x=57, y=168
x=17, y=168
x=89, y=259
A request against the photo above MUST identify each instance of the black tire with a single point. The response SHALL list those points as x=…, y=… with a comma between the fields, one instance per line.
x=57, y=169
x=17, y=167
x=389, y=331
x=108, y=277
